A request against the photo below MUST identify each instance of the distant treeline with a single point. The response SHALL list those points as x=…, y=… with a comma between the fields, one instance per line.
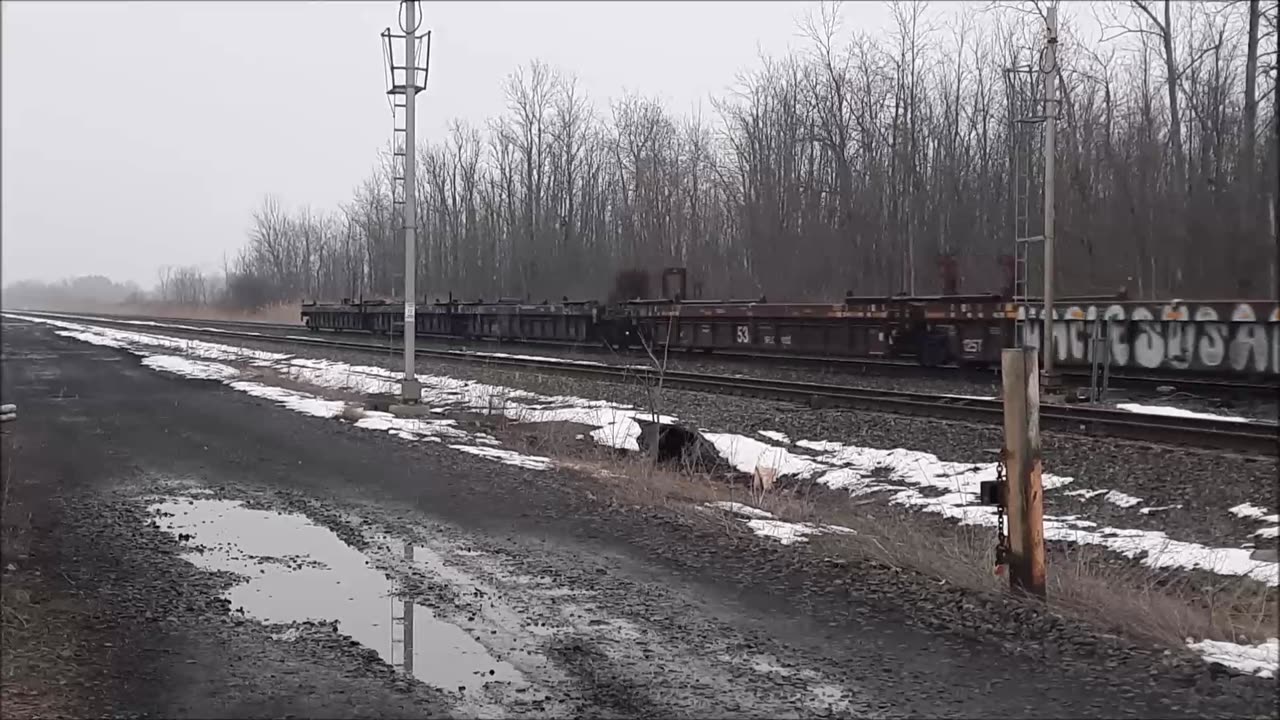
x=859, y=162
x=81, y=293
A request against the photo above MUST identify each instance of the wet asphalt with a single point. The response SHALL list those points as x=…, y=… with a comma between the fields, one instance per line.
x=206, y=528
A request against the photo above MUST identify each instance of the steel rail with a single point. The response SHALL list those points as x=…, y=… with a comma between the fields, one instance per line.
x=1253, y=437
x=852, y=366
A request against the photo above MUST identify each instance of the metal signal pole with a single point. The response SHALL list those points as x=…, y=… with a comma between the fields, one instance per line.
x=404, y=182
x=1050, y=68
x=409, y=389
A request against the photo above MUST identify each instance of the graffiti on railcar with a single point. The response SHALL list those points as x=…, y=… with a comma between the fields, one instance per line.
x=1240, y=337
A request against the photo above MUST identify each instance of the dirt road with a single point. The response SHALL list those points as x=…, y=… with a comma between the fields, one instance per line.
x=167, y=540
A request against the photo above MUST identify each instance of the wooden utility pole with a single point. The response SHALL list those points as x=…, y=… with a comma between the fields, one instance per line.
x=1024, y=492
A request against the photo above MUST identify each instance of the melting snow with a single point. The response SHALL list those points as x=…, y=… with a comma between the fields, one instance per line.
x=1159, y=508
x=1084, y=493
x=1177, y=412
x=766, y=524
x=775, y=436
x=197, y=369
x=545, y=358
x=429, y=429
x=787, y=533
x=507, y=457
x=740, y=509
x=1248, y=511
x=1115, y=497
x=863, y=469
x=746, y=454
x=300, y=402
x=1261, y=660
x=970, y=397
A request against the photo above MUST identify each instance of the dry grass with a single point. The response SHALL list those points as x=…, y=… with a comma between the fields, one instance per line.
x=1085, y=583
x=285, y=313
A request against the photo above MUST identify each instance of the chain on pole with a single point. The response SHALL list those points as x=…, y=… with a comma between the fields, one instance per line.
x=1002, y=535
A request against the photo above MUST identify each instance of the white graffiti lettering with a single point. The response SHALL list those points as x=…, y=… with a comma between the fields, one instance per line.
x=1177, y=335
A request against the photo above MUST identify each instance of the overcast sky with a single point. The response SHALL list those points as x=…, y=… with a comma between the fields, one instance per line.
x=143, y=134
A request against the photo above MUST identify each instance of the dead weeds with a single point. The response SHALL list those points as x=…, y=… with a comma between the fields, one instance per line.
x=283, y=313
x=1085, y=583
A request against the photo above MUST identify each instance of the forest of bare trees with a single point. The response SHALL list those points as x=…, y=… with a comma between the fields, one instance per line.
x=857, y=163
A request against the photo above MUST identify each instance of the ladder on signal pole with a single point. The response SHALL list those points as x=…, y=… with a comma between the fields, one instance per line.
x=402, y=636
x=397, y=78
x=1024, y=106
x=402, y=626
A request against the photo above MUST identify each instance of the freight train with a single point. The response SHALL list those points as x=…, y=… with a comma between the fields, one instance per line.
x=1233, y=338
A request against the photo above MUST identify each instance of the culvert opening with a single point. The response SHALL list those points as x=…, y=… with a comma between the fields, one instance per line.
x=676, y=445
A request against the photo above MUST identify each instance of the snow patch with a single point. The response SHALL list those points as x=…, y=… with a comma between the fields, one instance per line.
x=766, y=524
x=1159, y=508
x=869, y=469
x=186, y=367
x=410, y=428
x=775, y=436
x=740, y=509
x=1248, y=511
x=507, y=457
x=1261, y=660
x=1085, y=493
x=969, y=397
x=1178, y=412
x=1115, y=497
x=299, y=402
x=746, y=454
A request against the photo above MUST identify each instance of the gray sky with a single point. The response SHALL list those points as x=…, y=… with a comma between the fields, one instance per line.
x=142, y=134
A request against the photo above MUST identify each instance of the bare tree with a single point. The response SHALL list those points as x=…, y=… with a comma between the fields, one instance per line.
x=858, y=163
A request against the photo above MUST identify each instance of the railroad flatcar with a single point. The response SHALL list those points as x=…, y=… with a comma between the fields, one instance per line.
x=1226, y=338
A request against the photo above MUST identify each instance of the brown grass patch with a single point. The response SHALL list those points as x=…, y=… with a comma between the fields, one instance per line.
x=284, y=313
x=1086, y=583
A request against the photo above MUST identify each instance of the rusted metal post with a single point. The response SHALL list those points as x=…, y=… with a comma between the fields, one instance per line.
x=1025, y=496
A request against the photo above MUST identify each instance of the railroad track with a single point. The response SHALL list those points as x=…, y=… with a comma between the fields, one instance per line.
x=852, y=366
x=1258, y=438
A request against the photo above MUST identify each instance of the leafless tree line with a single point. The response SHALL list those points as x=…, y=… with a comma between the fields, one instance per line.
x=80, y=293
x=855, y=164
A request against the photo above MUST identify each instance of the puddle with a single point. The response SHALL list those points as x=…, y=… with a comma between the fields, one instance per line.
x=297, y=571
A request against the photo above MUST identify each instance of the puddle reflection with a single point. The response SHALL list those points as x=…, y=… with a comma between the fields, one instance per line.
x=297, y=571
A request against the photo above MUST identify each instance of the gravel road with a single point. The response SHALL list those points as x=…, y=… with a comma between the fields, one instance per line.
x=150, y=493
